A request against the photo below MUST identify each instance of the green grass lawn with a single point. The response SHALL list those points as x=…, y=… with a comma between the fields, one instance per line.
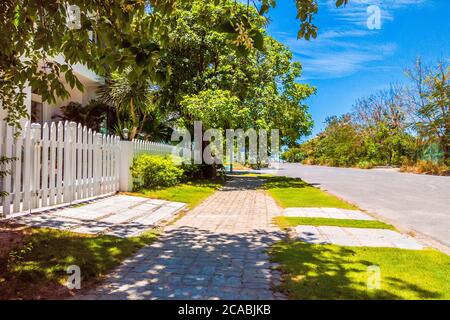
x=191, y=193
x=37, y=268
x=335, y=272
x=292, y=192
x=286, y=222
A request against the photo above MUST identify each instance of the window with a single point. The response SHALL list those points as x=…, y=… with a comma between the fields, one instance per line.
x=37, y=109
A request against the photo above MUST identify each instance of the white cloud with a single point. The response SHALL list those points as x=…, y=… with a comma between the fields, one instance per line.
x=356, y=10
x=334, y=57
x=350, y=48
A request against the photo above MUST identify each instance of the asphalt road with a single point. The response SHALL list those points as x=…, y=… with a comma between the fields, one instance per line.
x=413, y=202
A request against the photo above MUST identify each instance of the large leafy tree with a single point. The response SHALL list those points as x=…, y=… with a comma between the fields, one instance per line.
x=225, y=87
x=113, y=35
x=429, y=100
x=126, y=32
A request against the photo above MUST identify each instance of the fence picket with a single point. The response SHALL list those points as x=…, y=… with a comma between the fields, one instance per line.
x=27, y=167
x=79, y=154
x=90, y=177
x=17, y=173
x=7, y=151
x=45, y=165
x=84, y=179
x=52, y=182
x=62, y=162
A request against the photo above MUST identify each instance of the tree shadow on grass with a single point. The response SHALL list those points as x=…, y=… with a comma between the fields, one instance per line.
x=315, y=271
x=37, y=269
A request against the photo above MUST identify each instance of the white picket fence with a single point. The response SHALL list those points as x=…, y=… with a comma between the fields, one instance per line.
x=60, y=163
x=142, y=146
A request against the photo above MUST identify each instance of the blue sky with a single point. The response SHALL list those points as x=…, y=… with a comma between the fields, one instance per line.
x=348, y=61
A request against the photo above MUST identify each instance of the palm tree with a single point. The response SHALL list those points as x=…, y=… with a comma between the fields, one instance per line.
x=130, y=97
x=91, y=115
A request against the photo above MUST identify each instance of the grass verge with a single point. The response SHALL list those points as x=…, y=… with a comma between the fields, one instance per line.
x=292, y=192
x=334, y=272
x=36, y=268
x=286, y=222
x=192, y=193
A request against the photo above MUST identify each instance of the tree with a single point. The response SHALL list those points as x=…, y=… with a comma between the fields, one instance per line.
x=34, y=32
x=430, y=102
x=384, y=123
x=114, y=35
x=91, y=115
x=133, y=99
x=263, y=81
x=294, y=154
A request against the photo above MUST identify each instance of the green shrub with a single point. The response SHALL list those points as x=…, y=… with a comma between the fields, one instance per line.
x=366, y=164
x=150, y=171
x=191, y=171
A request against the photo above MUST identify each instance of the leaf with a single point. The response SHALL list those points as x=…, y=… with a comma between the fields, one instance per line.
x=258, y=40
x=141, y=58
x=341, y=2
x=126, y=44
x=226, y=27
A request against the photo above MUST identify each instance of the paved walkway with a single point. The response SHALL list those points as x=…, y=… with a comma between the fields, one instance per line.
x=331, y=213
x=347, y=236
x=356, y=237
x=216, y=251
x=120, y=216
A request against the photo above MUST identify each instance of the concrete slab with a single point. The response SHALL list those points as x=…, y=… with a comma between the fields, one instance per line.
x=356, y=237
x=333, y=213
x=127, y=215
x=83, y=213
x=121, y=215
x=162, y=213
x=177, y=205
x=48, y=221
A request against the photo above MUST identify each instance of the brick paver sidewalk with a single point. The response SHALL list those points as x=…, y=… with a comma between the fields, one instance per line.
x=216, y=251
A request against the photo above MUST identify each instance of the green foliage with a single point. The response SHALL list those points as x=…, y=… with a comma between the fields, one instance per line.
x=40, y=264
x=191, y=171
x=430, y=102
x=375, y=133
x=224, y=88
x=216, y=109
x=192, y=192
x=294, y=154
x=150, y=171
x=206, y=45
x=133, y=98
x=291, y=192
x=90, y=115
x=392, y=127
x=316, y=271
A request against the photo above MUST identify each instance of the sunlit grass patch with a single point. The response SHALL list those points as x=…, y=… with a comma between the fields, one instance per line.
x=293, y=192
x=39, y=265
x=286, y=222
x=334, y=272
x=192, y=193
